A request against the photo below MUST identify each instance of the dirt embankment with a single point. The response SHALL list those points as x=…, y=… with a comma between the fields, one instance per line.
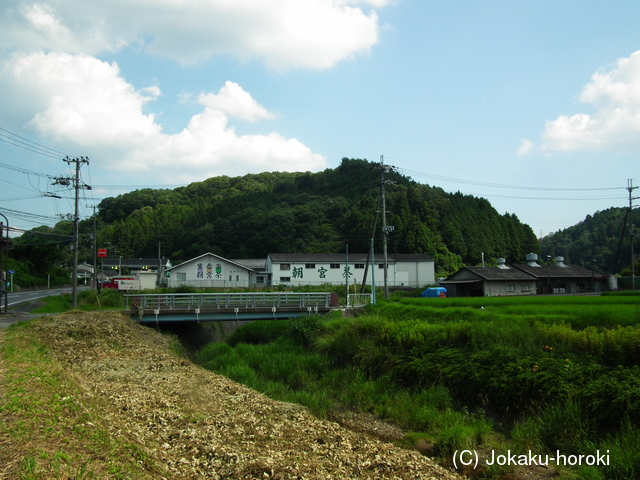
x=175, y=420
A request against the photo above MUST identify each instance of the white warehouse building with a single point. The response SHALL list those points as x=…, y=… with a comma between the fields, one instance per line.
x=403, y=270
x=208, y=271
x=295, y=269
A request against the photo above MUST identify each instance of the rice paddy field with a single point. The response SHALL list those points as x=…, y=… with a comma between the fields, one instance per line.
x=521, y=374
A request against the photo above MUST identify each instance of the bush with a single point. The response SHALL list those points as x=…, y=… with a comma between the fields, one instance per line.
x=264, y=331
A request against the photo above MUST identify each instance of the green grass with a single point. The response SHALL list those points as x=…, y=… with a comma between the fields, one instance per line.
x=45, y=419
x=87, y=300
x=287, y=370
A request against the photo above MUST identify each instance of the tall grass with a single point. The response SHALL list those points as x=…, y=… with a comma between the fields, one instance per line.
x=557, y=372
x=287, y=370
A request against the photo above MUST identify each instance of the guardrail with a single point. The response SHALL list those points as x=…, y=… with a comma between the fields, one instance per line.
x=356, y=300
x=172, y=301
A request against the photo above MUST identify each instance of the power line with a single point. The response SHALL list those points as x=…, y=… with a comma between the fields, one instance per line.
x=500, y=185
x=515, y=197
x=26, y=144
x=24, y=170
x=19, y=214
x=130, y=187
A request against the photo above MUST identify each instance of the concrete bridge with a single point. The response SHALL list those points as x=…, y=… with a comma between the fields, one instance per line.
x=212, y=307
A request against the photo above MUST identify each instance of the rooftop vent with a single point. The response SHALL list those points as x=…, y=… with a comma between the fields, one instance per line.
x=532, y=260
x=560, y=262
x=502, y=263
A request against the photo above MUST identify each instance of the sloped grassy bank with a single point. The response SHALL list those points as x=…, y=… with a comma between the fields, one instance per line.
x=546, y=374
x=93, y=395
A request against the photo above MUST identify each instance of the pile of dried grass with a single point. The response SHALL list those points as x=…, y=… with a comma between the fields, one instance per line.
x=173, y=419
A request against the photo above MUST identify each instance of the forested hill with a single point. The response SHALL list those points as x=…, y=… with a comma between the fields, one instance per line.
x=600, y=242
x=253, y=215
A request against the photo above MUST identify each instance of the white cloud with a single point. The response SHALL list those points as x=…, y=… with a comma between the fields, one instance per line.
x=85, y=101
x=235, y=102
x=616, y=122
x=79, y=99
x=526, y=147
x=284, y=34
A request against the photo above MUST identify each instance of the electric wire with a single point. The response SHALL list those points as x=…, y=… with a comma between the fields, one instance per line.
x=26, y=144
x=413, y=173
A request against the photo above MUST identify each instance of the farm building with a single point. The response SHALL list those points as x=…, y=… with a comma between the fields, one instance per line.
x=561, y=278
x=489, y=282
x=523, y=279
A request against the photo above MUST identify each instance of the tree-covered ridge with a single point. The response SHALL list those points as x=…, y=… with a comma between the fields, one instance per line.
x=600, y=242
x=253, y=215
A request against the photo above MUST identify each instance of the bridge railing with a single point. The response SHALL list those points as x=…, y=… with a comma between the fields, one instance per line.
x=170, y=301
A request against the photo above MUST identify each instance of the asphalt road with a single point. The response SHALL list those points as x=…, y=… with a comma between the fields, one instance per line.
x=21, y=303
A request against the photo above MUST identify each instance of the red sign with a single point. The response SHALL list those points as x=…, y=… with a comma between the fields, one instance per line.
x=102, y=252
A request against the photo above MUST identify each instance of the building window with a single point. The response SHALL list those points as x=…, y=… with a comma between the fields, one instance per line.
x=285, y=279
x=511, y=288
x=285, y=266
x=259, y=279
x=334, y=265
x=381, y=265
x=526, y=288
x=181, y=276
x=237, y=278
x=359, y=265
x=230, y=277
x=310, y=265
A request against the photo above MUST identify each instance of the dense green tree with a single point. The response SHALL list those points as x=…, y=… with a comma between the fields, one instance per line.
x=254, y=215
x=600, y=242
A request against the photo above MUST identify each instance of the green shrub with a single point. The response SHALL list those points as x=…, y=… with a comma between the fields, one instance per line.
x=304, y=329
x=624, y=455
x=111, y=298
x=564, y=427
x=452, y=438
x=264, y=331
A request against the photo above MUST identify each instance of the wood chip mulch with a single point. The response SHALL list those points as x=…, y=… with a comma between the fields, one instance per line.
x=189, y=423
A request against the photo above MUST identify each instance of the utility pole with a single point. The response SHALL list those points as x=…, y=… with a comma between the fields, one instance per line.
x=3, y=275
x=4, y=265
x=76, y=184
x=631, y=188
x=370, y=254
x=95, y=251
x=384, y=169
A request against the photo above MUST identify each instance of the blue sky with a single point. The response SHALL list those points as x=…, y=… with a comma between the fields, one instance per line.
x=534, y=105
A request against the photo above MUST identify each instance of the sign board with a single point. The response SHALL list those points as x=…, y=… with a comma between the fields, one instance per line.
x=102, y=252
x=128, y=284
x=11, y=272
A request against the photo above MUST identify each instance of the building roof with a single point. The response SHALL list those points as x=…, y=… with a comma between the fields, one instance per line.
x=556, y=271
x=341, y=257
x=133, y=262
x=410, y=257
x=492, y=274
x=212, y=255
x=252, y=263
x=317, y=257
